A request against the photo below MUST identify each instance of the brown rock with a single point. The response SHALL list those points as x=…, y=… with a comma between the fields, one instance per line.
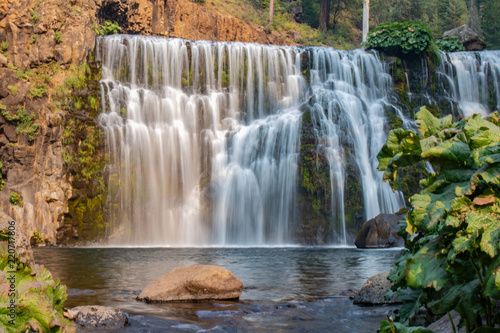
x=380, y=232
x=3, y=140
x=194, y=283
x=10, y=132
x=443, y=325
x=374, y=290
x=3, y=60
x=183, y=19
x=22, y=241
x=97, y=316
x=467, y=36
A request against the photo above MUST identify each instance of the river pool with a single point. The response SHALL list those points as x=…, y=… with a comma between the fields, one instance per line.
x=286, y=289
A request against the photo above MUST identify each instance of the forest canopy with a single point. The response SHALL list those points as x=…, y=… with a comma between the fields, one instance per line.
x=344, y=20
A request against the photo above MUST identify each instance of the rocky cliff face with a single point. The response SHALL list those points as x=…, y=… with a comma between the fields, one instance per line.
x=39, y=40
x=183, y=19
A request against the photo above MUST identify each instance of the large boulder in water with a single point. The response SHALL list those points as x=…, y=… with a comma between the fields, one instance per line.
x=467, y=36
x=380, y=232
x=194, y=283
x=374, y=290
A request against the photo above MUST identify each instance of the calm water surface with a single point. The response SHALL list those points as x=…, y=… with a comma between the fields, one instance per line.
x=285, y=289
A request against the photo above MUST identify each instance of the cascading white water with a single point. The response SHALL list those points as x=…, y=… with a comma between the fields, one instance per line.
x=181, y=114
x=204, y=137
x=350, y=91
x=472, y=78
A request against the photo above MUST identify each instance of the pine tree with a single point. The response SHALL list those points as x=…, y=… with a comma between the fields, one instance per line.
x=456, y=14
x=491, y=23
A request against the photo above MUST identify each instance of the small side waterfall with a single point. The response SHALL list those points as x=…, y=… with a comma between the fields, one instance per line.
x=204, y=137
x=472, y=80
x=350, y=91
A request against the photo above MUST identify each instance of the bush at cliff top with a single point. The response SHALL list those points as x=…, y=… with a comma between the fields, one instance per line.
x=39, y=299
x=399, y=38
x=450, y=44
x=452, y=233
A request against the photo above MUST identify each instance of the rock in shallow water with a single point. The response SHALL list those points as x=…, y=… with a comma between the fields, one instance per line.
x=373, y=291
x=96, y=316
x=194, y=283
x=380, y=232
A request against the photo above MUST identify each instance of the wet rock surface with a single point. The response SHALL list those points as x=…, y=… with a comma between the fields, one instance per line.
x=380, y=232
x=374, y=290
x=329, y=315
x=97, y=316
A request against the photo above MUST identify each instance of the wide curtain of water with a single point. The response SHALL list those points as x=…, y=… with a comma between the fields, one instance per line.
x=204, y=137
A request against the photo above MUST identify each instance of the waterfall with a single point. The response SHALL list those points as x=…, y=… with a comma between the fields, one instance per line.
x=204, y=137
x=350, y=93
x=471, y=80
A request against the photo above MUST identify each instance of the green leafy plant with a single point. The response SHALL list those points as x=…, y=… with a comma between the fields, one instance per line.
x=34, y=17
x=39, y=297
x=25, y=122
x=58, y=37
x=37, y=2
x=37, y=91
x=109, y=28
x=34, y=39
x=452, y=233
x=16, y=199
x=450, y=44
x=13, y=89
x=23, y=75
x=37, y=237
x=4, y=46
x=400, y=38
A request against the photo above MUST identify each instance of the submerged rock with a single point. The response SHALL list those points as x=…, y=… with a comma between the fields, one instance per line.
x=374, y=290
x=380, y=232
x=96, y=316
x=194, y=283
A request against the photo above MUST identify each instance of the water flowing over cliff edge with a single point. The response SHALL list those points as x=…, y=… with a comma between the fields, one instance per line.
x=204, y=137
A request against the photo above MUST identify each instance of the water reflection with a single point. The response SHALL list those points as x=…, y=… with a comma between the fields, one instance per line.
x=279, y=283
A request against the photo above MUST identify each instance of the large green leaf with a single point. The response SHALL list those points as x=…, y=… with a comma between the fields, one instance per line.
x=450, y=154
x=426, y=269
x=448, y=298
x=39, y=300
x=430, y=125
x=492, y=280
x=412, y=300
x=453, y=227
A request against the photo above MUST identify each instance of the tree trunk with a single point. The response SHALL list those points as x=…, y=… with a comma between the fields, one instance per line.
x=271, y=11
x=474, y=22
x=366, y=16
x=324, y=15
